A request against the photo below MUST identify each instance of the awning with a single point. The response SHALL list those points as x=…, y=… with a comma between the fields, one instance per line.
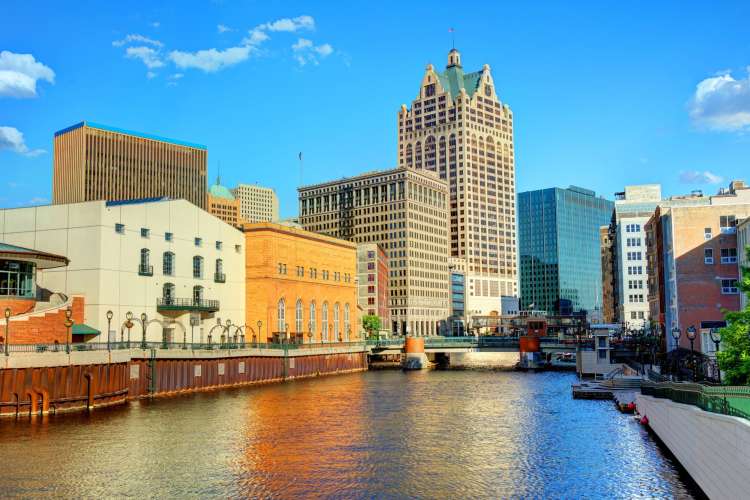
x=83, y=329
x=42, y=260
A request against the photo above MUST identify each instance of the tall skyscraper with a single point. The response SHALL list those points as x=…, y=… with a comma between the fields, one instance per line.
x=99, y=162
x=458, y=128
x=559, y=245
x=257, y=203
x=405, y=211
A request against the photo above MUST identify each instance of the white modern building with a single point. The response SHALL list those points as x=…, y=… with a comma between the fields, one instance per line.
x=633, y=208
x=257, y=203
x=166, y=258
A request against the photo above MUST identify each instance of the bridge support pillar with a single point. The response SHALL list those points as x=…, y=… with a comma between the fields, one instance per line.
x=414, y=357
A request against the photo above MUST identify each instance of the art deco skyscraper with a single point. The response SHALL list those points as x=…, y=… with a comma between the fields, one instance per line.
x=458, y=128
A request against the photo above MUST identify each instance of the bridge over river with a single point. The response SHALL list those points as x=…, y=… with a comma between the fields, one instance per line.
x=469, y=344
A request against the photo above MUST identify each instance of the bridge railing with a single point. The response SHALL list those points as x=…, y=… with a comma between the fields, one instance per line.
x=459, y=342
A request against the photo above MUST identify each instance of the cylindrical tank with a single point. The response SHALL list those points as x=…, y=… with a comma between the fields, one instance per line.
x=414, y=357
x=414, y=345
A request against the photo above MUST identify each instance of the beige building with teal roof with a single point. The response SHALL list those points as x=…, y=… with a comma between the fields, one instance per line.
x=458, y=128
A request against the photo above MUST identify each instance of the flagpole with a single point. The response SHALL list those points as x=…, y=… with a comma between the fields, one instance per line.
x=301, y=169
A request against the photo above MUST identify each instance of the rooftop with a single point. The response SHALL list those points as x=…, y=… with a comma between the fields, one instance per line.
x=43, y=260
x=123, y=131
x=219, y=191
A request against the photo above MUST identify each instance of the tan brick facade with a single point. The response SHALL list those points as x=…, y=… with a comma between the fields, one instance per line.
x=299, y=283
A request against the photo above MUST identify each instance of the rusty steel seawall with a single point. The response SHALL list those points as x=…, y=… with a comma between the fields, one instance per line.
x=161, y=377
x=34, y=390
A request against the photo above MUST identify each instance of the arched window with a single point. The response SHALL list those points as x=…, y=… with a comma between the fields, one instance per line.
x=168, y=264
x=145, y=265
x=219, y=276
x=429, y=154
x=347, y=324
x=418, y=155
x=324, y=322
x=281, y=316
x=197, y=294
x=298, y=316
x=336, y=330
x=167, y=293
x=197, y=266
x=312, y=317
x=409, y=155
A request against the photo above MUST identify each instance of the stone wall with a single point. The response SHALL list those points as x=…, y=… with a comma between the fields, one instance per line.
x=713, y=448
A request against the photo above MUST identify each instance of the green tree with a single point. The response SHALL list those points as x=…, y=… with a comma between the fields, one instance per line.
x=734, y=358
x=371, y=324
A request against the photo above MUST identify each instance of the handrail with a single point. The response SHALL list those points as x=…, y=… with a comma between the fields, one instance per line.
x=197, y=346
x=715, y=399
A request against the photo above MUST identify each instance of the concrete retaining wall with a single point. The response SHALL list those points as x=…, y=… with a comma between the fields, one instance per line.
x=713, y=448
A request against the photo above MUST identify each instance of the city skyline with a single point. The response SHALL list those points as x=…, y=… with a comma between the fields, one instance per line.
x=665, y=115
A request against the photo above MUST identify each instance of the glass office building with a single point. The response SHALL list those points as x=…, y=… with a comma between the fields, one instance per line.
x=558, y=239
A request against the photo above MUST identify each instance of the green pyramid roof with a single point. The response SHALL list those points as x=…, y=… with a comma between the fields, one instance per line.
x=219, y=191
x=453, y=79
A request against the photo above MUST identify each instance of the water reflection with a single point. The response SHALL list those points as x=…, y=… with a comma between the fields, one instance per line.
x=378, y=434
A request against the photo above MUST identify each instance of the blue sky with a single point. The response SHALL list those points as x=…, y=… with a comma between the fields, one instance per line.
x=604, y=94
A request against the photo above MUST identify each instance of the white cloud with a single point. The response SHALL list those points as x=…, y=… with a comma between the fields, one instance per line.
x=290, y=24
x=176, y=76
x=210, y=60
x=307, y=52
x=11, y=139
x=698, y=177
x=155, y=24
x=150, y=75
x=222, y=28
x=137, y=38
x=149, y=56
x=722, y=103
x=19, y=74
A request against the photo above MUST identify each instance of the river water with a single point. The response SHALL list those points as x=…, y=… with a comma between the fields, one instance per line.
x=381, y=434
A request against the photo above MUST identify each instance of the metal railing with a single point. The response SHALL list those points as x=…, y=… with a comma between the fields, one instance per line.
x=725, y=400
x=196, y=346
x=220, y=278
x=145, y=270
x=466, y=341
x=174, y=302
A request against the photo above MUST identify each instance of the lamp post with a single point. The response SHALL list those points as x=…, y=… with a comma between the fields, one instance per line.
x=128, y=325
x=68, y=324
x=144, y=321
x=109, y=328
x=193, y=324
x=690, y=332
x=309, y=331
x=715, y=334
x=260, y=325
x=7, y=324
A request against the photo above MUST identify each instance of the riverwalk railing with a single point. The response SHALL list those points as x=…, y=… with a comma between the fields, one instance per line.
x=458, y=342
x=726, y=400
x=201, y=346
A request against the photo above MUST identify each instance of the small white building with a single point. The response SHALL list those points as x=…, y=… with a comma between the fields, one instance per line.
x=166, y=258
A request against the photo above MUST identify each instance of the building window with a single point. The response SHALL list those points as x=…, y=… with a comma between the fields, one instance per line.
x=167, y=293
x=281, y=316
x=168, y=236
x=219, y=245
x=298, y=316
x=729, y=286
x=238, y=248
x=17, y=279
x=219, y=276
x=198, y=242
x=145, y=268
x=347, y=324
x=282, y=268
x=336, y=331
x=197, y=294
x=728, y=224
x=145, y=232
x=324, y=322
x=312, y=324
x=728, y=255
x=708, y=255
x=120, y=228
x=168, y=264
x=197, y=266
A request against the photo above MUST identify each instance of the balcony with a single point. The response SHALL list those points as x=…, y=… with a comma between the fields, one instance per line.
x=175, y=304
x=144, y=270
x=220, y=278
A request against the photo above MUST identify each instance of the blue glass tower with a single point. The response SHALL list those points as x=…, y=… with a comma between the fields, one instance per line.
x=558, y=240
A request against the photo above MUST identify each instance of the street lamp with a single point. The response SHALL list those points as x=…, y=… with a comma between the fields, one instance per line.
x=676, y=333
x=109, y=328
x=309, y=331
x=144, y=320
x=193, y=323
x=128, y=325
x=68, y=324
x=260, y=325
x=715, y=335
x=7, y=324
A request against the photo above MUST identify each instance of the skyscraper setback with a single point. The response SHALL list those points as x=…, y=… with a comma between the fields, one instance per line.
x=458, y=128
